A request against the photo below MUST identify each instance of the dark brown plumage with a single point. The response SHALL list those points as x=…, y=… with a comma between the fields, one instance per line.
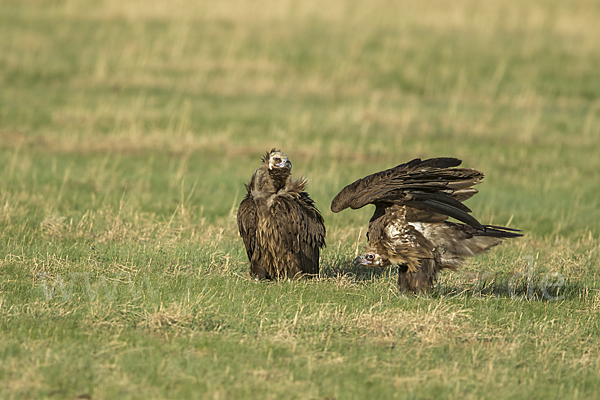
x=409, y=227
x=279, y=223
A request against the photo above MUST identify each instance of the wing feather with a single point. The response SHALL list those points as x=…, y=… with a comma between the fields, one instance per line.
x=432, y=186
x=299, y=229
x=247, y=222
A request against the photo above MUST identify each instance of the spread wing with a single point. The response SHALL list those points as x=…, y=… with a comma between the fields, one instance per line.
x=432, y=188
x=299, y=229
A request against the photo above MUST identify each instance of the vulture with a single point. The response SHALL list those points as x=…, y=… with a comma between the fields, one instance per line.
x=281, y=227
x=410, y=227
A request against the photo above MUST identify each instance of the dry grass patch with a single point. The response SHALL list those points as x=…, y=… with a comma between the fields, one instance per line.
x=175, y=315
x=23, y=377
x=437, y=324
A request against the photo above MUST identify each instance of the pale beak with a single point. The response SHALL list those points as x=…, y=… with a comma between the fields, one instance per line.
x=360, y=260
x=285, y=164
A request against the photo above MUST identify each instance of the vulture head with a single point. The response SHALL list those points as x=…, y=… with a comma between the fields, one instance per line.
x=275, y=159
x=371, y=258
x=275, y=172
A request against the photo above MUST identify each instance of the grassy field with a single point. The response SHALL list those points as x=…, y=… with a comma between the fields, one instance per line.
x=127, y=131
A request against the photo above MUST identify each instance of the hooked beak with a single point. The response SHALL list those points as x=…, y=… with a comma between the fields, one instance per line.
x=285, y=164
x=360, y=260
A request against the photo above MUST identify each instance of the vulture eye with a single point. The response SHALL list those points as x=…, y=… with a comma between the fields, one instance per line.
x=277, y=160
x=370, y=257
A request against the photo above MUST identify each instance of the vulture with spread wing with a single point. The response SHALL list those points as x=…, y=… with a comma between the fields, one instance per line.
x=409, y=227
x=280, y=225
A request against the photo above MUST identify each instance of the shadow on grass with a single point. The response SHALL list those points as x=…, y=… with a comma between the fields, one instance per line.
x=518, y=286
x=343, y=266
x=504, y=288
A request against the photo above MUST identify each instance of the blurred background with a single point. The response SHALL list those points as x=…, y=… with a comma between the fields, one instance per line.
x=148, y=105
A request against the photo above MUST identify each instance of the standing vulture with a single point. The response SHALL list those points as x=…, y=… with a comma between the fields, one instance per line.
x=282, y=229
x=409, y=227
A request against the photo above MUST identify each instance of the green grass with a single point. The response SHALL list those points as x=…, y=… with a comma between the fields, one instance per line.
x=127, y=130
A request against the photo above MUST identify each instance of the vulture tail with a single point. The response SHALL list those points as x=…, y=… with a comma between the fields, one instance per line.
x=499, y=231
